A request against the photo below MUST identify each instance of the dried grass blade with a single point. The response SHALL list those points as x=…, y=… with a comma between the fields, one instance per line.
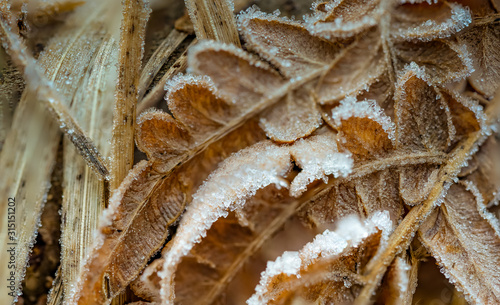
x=85, y=195
x=159, y=57
x=214, y=20
x=158, y=90
x=49, y=96
x=133, y=28
x=29, y=154
x=56, y=295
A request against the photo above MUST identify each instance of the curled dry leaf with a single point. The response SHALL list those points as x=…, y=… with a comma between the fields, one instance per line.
x=188, y=152
x=325, y=270
x=483, y=39
x=317, y=70
x=148, y=201
x=468, y=256
x=240, y=177
x=373, y=186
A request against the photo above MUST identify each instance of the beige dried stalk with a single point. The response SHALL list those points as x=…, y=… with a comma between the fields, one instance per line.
x=133, y=28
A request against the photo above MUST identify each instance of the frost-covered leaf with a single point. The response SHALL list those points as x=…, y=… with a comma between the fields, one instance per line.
x=399, y=282
x=426, y=21
x=141, y=211
x=364, y=130
x=295, y=107
x=295, y=116
x=343, y=18
x=379, y=73
x=421, y=115
x=486, y=172
x=329, y=71
x=408, y=33
x=379, y=192
x=239, y=178
x=483, y=41
x=285, y=43
x=325, y=269
x=238, y=76
x=362, y=64
x=428, y=119
x=465, y=245
x=160, y=136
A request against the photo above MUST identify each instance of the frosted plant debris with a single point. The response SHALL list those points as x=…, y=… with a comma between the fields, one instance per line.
x=327, y=246
x=238, y=178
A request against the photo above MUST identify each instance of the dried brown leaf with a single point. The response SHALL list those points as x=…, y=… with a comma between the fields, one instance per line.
x=426, y=21
x=243, y=182
x=326, y=269
x=483, y=41
x=465, y=245
x=143, y=208
x=295, y=116
x=399, y=283
x=409, y=140
x=355, y=17
x=286, y=44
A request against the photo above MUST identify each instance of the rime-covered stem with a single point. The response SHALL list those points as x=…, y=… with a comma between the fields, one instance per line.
x=135, y=17
x=214, y=20
x=404, y=233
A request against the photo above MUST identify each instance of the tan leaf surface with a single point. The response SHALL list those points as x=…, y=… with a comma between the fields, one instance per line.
x=399, y=282
x=483, y=41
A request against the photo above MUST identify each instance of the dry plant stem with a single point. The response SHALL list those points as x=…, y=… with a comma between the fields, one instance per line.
x=214, y=20
x=51, y=98
x=135, y=16
x=402, y=236
x=158, y=91
x=159, y=57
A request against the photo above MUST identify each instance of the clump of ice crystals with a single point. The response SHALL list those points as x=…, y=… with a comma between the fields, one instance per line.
x=318, y=157
x=350, y=233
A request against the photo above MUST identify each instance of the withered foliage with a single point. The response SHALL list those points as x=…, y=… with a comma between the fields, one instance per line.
x=371, y=126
